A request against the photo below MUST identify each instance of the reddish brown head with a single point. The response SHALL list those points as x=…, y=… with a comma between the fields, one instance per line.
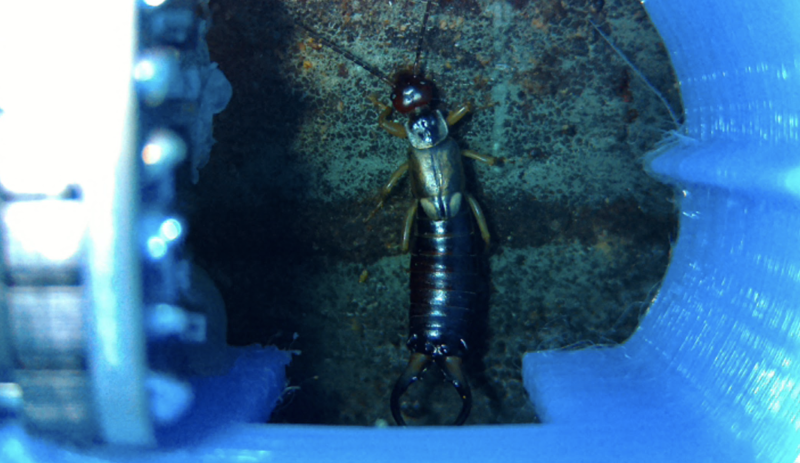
x=411, y=91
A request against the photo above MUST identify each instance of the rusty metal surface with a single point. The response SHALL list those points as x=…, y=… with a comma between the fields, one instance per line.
x=581, y=235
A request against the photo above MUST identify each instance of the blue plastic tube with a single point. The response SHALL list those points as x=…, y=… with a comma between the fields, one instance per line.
x=713, y=374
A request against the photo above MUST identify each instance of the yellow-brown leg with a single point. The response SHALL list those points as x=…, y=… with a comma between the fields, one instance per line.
x=458, y=113
x=396, y=176
x=410, y=215
x=480, y=218
x=393, y=128
x=484, y=158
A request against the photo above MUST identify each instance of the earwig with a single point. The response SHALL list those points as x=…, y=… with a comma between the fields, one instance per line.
x=439, y=229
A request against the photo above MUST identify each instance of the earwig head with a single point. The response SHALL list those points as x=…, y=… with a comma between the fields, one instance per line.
x=411, y=91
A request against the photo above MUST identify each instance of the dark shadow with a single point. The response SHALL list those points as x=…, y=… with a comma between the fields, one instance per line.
x=243, y=214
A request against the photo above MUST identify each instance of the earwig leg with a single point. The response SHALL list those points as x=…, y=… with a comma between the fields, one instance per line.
x=416, y=365
x=452, y=369
x=393, y=128
x=484, y=158
x=457, y=114
x=480, y=218
x=412, y=212
x=396, y=176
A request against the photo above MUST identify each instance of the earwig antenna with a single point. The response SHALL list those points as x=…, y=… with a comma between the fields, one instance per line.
x=639, y=74
x=369, y=68
x=422, y=37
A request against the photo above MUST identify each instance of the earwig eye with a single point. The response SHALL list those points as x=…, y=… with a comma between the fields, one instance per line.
x=411, y=92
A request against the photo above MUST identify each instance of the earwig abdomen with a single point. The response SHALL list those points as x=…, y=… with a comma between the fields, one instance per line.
x=444, y=284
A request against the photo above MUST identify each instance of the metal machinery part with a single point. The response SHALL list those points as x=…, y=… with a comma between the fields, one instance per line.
x=92, y=268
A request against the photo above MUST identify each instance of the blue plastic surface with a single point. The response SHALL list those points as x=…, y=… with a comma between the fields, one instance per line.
x=713, y=374
x=247, y=394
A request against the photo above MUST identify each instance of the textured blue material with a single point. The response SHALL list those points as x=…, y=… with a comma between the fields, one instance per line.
x=246, y=394
x=715, y=366
x=713, y=374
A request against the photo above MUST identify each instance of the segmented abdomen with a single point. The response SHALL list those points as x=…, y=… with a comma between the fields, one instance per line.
x=444, y=284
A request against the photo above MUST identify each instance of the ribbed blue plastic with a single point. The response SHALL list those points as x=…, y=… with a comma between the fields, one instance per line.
x=713, y=374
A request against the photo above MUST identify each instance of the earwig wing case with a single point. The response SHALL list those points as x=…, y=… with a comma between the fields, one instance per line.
x=713, y=373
